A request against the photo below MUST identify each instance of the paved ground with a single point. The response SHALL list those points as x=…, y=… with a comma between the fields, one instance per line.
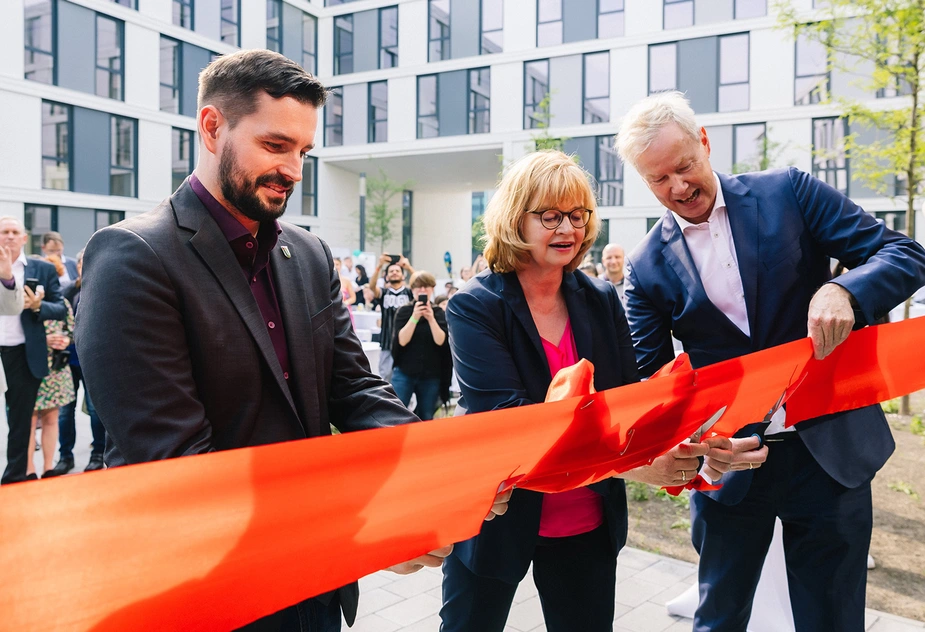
x=395, y=603
x=645, y=582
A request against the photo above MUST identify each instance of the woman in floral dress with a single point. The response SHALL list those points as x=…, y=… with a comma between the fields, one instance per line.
x=57, y=388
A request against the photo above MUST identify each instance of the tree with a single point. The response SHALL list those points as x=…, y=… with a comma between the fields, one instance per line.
x=381, y=213
x=542, y=139
x=883, y=43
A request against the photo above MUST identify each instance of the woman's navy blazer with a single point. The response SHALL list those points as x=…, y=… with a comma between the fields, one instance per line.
x=500, y=363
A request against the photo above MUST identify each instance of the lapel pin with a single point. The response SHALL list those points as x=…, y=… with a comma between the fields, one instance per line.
x=286, y=252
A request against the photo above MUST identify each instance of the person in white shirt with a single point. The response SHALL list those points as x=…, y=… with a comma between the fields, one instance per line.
x=737, y=264
x=23, y=347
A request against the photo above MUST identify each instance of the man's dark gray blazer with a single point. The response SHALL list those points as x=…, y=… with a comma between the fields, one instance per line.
x=178, y=358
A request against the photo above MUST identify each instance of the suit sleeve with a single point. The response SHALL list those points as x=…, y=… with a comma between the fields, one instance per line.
x=650, y=327
x=11, y=301
x=487, y=374
x=885, y=267
x=132, y=345
x=359, y=400
x=629, y=370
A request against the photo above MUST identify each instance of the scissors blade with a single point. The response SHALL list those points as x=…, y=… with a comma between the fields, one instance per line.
x=775, y=408
x=709, y=423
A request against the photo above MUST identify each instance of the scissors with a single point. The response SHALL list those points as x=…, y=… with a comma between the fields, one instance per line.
x=709, y=423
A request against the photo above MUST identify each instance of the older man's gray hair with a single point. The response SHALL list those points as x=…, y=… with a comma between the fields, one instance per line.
x=646, y=119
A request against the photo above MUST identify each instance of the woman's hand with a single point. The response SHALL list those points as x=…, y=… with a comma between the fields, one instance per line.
x=58, y=342
x=427, y=311
x=419, y=311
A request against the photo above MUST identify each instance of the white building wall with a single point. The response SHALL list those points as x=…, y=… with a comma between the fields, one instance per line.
x=12, y=39
x=412, y=34
x=402, y=109
x=142, y=56
x=20, y=141
x=629, y=79
x=519, y=25
x=642, y=17
x=253, y=24
x=507, y=107
x=338, y=218
x=771, y=68
x=441, y=222
x=154, y=163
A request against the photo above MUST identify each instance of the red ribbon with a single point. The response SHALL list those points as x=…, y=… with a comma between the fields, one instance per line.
x=215, y=541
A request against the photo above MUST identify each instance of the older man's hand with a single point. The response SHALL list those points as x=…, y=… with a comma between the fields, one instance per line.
x=732, y=455
x=434, y=559
x=831, y=318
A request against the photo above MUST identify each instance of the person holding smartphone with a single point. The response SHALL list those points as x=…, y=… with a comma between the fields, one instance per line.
x=419, y=348
x=392, y=296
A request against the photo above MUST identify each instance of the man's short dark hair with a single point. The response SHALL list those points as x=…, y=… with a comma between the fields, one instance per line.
x=52, y=236
x=233, y=83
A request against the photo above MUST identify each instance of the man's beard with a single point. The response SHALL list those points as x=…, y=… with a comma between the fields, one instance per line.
x=242, y=194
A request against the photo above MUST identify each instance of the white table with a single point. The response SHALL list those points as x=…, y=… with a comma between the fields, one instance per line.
x=372, y=349
x=366, y=320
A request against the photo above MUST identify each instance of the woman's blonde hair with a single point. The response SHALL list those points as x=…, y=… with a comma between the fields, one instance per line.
x=540, y=180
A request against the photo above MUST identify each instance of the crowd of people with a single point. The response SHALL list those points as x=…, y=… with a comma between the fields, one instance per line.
x=38, y=301
x=207, y=324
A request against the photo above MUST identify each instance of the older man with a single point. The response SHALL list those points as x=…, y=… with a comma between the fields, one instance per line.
x=22, y=341
x=738, y=264
x=612, y=257
x=208, y=325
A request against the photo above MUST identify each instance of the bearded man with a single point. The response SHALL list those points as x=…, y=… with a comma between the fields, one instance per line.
x=206, y=324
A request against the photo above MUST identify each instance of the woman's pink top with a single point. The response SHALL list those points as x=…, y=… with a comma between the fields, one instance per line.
x=580, y=510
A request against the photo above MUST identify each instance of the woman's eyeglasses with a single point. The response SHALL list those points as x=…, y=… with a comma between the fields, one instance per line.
x=552, y=218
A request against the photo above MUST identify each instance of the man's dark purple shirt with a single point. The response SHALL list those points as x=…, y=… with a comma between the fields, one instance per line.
x=254, y=257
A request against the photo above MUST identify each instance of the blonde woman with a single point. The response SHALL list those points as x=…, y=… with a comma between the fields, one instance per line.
x=510, y=332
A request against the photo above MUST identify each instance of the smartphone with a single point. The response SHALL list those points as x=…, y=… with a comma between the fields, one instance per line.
x=32, y=284
x=422, y=299
x=394, y=259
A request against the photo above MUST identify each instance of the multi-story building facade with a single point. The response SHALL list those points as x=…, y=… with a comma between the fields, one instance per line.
x=99, y=100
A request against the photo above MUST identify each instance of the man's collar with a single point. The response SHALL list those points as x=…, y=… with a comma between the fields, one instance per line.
x=720, y=202
x=22, y=257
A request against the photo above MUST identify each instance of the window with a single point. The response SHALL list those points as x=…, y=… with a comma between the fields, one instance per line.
x=733, y=73
x=610, y=18
x=123, y=162
x=438, y=30
x=407, y=198
x=309, y=43
x=378, y=112
x=231, y=19
x=109, y=38
x=663, y=67
x=749, y=147
x=677, y=14
x=56, y=146
x=609, y=173
x=549, y=23
x=492, y=26
x=811, y=84
x=181, y=156
x=39, y=46
x=744, y=9
x=274, y=25
x=343, y=44
x=334, y=118
x=603, y=238
x=38, y=220
x=428, y=118
x=170, y=75
x=388, y=37
x=479, y=101
x=183, y=13
x=108, y=218
x=536, y=91
x=894, y=220
x=131, y=4
x=830, y=162
x=309, y=186
x=596, y=88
